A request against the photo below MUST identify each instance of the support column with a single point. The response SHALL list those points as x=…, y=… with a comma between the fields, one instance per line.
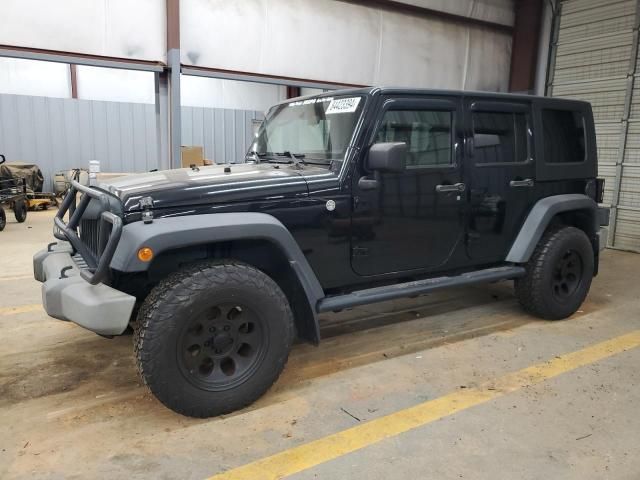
x=173, y=68
x=175, y=122
x=293, y=92
x=162, y=119
x=73, y=80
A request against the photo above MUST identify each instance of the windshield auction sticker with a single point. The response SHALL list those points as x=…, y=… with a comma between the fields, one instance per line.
x=343, y=105
x=310, y=101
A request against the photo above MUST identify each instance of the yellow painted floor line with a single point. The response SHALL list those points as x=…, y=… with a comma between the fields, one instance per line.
x=333, y=446
x=20, y=309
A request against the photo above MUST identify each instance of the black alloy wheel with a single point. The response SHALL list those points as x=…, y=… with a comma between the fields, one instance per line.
x=221, y=346
x=567, y=275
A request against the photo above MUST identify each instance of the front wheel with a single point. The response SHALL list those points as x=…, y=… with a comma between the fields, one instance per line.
x=558, y=275
x=213, y=338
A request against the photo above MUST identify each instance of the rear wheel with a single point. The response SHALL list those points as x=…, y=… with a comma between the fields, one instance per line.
x=213, y=338
x=20, y=210
x=3, y=219
x=559, y=274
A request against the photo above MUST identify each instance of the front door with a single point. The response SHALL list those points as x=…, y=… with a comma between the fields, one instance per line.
x=413, y=220
x=499, y=172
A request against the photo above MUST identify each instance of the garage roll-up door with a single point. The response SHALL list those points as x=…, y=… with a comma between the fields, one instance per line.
x=595, y=58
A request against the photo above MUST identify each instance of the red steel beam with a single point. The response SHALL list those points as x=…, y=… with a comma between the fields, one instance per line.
x=73, y=70
x=524, y=51
x=173, y=24
x=400, y=7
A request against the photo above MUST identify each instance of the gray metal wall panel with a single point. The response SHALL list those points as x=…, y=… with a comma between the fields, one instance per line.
x=596, y=60
x=628, y=229
x=219, y=134
x=59, y=134
x=186, y=120
x=58, y=147
x=230, y=130
x=148, y=113
x=87, y=142
x=224, y=134
x=208, y=130
x=126, y=134
x=197, y=125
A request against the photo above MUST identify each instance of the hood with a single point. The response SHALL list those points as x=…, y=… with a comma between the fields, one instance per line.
x=210, y=184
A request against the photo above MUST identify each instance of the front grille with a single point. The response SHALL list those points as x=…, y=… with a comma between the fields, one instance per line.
x=90, y=234
x=93, y=229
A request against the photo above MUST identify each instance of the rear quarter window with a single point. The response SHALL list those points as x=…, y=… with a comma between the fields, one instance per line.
x=564, y=136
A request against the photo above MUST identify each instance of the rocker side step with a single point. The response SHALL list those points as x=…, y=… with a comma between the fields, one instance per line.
x=400, y=290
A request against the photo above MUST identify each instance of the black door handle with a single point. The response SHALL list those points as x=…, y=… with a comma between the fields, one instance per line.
x=456, y=187
x=521, y=183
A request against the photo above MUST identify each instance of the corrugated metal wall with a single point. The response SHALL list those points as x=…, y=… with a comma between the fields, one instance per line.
x=59, y=134
x=224, y=133
x=595, y=58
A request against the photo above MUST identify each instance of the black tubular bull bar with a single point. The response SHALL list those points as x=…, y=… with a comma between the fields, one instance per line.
x=98, y=263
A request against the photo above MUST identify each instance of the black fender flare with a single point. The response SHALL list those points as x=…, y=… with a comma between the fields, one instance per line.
x=539, y=218
x=176, y=232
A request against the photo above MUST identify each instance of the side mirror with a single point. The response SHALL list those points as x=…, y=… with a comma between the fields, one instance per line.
x=3, y=159
x=388, y=157
x=384, y=157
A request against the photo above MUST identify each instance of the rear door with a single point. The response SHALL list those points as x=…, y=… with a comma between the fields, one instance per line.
x=499, y=171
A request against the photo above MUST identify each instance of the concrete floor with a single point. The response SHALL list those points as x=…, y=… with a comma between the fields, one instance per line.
x=71, y=405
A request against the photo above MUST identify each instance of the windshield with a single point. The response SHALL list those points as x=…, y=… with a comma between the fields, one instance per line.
x=316, y=130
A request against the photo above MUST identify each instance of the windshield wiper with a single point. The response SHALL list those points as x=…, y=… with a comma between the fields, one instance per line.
x=287, y=157
x=296, y=158
x=276, y=157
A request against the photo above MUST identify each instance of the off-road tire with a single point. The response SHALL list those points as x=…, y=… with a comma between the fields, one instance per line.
x=20, y=210
x=541, y=291
x=3, y=219
x=187, y=296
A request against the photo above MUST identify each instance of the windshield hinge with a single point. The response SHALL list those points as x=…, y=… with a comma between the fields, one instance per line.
x=146, y=203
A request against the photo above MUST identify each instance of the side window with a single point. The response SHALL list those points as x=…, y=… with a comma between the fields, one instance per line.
x=427, y=134
x=500, y=137
x=564, y=136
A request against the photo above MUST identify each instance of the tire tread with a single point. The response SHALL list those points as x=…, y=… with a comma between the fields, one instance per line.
x=155, y=321
x=531, y=289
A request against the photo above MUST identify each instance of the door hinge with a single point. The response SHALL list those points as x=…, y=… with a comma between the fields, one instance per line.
x=359, y=251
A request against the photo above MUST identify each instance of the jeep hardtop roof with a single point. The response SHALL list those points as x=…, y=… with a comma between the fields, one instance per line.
x=374, y=91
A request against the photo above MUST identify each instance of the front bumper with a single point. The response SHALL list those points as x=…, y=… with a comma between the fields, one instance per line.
x=66, y=295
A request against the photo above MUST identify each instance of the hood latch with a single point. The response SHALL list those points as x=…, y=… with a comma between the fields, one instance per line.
x=146, y=203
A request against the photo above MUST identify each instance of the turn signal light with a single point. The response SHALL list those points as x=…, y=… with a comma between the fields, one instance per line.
x=145, y=254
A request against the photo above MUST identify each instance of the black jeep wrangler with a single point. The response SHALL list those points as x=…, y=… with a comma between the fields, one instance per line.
x=344, y=199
